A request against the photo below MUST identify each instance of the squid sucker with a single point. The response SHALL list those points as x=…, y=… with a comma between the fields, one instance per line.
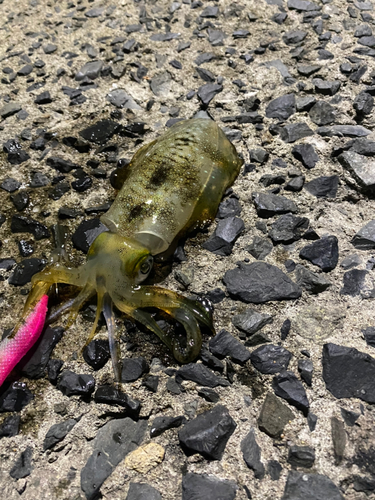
x=172, y=185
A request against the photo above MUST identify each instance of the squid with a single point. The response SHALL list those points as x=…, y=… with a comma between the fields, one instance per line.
x=172, y=186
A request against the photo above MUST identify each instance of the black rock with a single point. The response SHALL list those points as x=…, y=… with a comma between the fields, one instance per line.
x=230, y=207
x=173, y=387
x=215, y=37
x=39, y=144
x=10, y=185
x=96, y=353
x=50, y=48
x=323, y=253
x=25, y=70
x=365, y=238
x=22, y=467
x=251, y=454
x=89, y=71
x=363, y=484
x=200, y=374
x=257, y=339
x=25, y=270
x=361, y=168
x=20, y=200
x=350, y=261
x=274, y=416
x=306, y=368
x=338, y=439
x=110, y=395
x=208, y=91
x=303, y=5
x=43, y=98
x=15, y=397
x=53, y=369
x=350, y=417
x=367, y=41
x=260, y=282
x=211, y=361
x=86, y=233
x=294, y=37
x=310, y=486
x=211, y=11
x=39, y=180
x=240, y=34
x=139, y=491
x=10, y=426
x=282, y=107
x=208, y=433
x=363, y=104
x=279, y=17
x=224, y=344
x=203, y=58
x=60, y=164
x=216, y=295
x=322, y=113
x=195, y=486
x=311, y=421
x=205, y=74
x=259, y=155
x=23, y=224
x=325, y=87
x=270, y=179
x=57, y=432
x=59, y=190
x=10, y=109
x=295, y=131
x=7, y=264
x=35, y=362
x=311, y=235
x=287, y=386
x=369, y=335
x=270, y=359
x=222, y=240
x=363, y=30
x=101, y=131
x=306, y=154
x=209, y=395
x=274, y=469
x=301, y=456
x=251, y=321
x=268, y=204
x=354, y=282
x=151, y=383
x=305, y=103
x=323, y=187
x=259, y=248
x=113, y=442
x=71, y=383
x=162, y=424
x=296, y=184
x=288, y=228
x=309, y=281
x=82, y=185
x=348, y=373
x=133, y=369
x=343, y=131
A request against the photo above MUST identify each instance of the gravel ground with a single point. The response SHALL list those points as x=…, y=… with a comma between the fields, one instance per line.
x=151, y=64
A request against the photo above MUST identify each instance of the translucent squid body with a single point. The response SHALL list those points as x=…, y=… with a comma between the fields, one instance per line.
x=172, y=185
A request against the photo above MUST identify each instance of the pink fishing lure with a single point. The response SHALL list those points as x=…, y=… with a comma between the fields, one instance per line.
x=12, y=350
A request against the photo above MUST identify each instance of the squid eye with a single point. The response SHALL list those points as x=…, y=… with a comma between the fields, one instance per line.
x=146, y=265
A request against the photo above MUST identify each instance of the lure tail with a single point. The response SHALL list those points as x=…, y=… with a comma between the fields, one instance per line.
x=13, y=349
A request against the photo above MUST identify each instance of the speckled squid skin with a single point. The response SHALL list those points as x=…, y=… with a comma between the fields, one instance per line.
x=172, y=185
